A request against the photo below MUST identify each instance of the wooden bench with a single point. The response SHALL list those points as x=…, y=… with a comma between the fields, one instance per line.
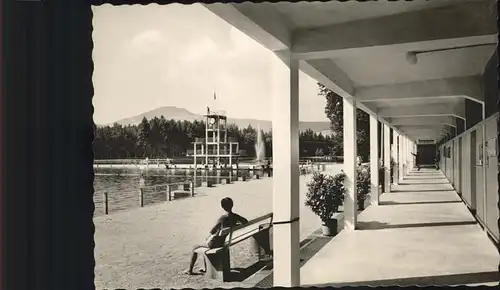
x=218, y=260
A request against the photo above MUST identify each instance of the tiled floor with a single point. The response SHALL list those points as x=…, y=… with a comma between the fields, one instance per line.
x=420, y=234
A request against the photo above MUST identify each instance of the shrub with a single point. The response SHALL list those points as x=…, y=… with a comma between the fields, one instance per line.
x=363, y=184
x=393, y=167
x=325, y=194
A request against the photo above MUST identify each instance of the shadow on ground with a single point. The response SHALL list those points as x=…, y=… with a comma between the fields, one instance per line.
x=422, y=182
x=374, y=225
x=456, y=279
x=423, y=190
x=241, y=274
x=418, y=202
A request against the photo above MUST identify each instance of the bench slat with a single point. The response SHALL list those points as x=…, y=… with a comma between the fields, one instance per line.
x=241, y=233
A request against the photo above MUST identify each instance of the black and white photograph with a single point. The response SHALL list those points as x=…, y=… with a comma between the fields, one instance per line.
x=295, y=144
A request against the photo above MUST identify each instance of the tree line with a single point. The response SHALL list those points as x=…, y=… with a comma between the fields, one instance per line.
x=163, y=138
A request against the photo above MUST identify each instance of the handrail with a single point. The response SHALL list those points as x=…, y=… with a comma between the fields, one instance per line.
x=165, y=184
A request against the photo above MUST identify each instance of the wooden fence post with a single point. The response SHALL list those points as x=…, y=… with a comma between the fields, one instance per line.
x=192, y=187
x=169, y=192
x=141, y=197
x=105, y=199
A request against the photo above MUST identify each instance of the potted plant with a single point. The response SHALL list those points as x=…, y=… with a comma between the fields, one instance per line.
x=393, y=167
x=324, y=197
x=363, y=185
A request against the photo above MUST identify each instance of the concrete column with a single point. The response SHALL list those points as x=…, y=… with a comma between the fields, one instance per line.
x=400, y=157
x=413, y=158
x=395, y=173
x=350, y=156
x=387, y=158
x=408, y=156
x=286, y=198
x=405, y=156
x=374, y=162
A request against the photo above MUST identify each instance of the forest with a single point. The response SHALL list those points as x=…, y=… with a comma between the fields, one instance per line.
x=163, y=138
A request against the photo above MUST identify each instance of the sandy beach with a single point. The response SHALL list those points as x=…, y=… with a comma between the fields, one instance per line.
x=150, y=247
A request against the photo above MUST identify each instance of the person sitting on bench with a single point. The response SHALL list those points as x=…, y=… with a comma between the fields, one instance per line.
x=216, y=239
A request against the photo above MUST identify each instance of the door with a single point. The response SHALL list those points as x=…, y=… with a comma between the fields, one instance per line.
x=473, y=170
x=491, y=164
x=460, y=166
x=480, y=190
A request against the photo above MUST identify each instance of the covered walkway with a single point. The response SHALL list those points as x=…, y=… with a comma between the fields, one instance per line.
x=427, y=81
x=420, y=234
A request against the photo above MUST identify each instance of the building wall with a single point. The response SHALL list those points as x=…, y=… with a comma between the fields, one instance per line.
x=490, y=85
x=472, y=169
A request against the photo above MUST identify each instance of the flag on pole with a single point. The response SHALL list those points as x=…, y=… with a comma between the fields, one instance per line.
x=215, y=96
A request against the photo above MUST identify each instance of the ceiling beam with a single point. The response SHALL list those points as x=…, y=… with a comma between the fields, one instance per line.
x=266, y=26
x=443, y=120
x=422, y=110
x=331, y=76
x=415, y=30
x=460, y=87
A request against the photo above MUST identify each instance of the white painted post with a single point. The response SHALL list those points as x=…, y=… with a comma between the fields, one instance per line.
x=141, y=197
x=350, y=164
x=404, y=156
x=400, y=158
x=105, y=199
x=395, y=172
x=408, y=155
x=387, y=158
x=286, y=197
x=374, y=161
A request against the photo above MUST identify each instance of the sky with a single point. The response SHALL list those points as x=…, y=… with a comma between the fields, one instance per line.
x=151, y=56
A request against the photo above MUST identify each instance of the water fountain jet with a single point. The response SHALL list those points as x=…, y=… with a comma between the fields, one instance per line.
x=260, y=148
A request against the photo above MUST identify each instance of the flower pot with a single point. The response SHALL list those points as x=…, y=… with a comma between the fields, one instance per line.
x=329, y=227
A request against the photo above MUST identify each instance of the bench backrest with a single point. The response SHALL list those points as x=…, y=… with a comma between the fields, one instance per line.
x=242, y=232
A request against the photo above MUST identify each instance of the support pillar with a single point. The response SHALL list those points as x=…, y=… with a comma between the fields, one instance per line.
x=387, y=158
x=400, y=158
x=286, y=198
x=350, y=164
x=395, y=171
x=414, y=150
x=402, y=148
x=408, y=155
x=374, y=161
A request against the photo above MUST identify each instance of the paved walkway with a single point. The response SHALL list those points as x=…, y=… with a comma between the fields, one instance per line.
x=150, y=247
x=420, y=234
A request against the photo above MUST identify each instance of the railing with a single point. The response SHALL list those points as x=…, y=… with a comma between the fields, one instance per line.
x=218, y=113
x=213, y=140
x=138, y=161
x=166, y=191
x=166, y=188
x=190, y=152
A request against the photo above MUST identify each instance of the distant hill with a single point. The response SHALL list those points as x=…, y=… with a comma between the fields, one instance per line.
x=181, y=114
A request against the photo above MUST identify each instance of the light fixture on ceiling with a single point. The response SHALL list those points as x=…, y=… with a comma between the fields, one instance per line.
x=412, y=56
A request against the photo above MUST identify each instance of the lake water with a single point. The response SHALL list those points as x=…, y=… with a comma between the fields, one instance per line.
x=123, y=184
